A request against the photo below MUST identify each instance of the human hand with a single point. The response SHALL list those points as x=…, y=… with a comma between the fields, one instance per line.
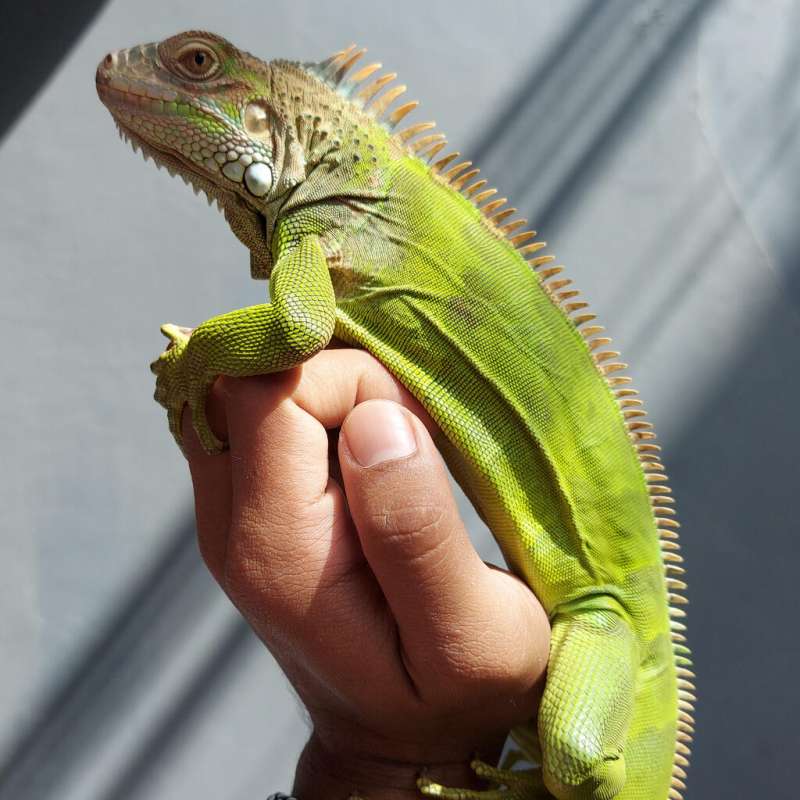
x=407, y=650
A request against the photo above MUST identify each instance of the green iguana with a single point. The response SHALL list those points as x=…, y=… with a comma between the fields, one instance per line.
x=373, y=233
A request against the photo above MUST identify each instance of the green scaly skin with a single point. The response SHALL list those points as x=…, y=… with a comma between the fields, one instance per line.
x=371, y=236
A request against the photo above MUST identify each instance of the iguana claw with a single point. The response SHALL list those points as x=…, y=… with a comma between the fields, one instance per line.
x=508, y=785
x=178, y=383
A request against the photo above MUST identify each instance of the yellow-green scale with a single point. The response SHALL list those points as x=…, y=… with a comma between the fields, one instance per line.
x=533, y=432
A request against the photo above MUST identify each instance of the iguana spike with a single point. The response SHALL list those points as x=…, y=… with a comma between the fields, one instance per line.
x=571, y=308
x=364, y=73
x=401, y=111
x=410, y=133
x=651, y=463
x=455, y=171
x=504, y=214
x=532, y=248
x=678, y=599
x=549, y=273
x=618, y=380
x=630, y=402
x=485, y=195
x=540, y=260
x=600, y=341
x=675, y=570
x=380, y=106
x=494, y=205
x=427, y=141
x=630, y=413
x=345, y=67
x=638, y=425
x=369, y=91
x=520, y=238
x=470, y=190
x=592, y=330
x=559, y=284
x=513, y=226
x=459, y=183
x=445, y=160
x=605, y=355
x=579, y=320
x=335, y=58
x=434, y=151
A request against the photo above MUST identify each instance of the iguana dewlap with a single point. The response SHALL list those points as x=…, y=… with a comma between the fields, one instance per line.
x=369, y=230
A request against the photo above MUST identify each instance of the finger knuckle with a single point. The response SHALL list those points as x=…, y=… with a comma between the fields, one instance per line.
x=415, y=531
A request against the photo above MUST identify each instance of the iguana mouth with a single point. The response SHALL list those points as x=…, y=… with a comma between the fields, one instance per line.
x=248, y=224
x=120, y=104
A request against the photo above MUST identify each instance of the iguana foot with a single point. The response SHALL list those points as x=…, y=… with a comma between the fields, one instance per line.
x=179, y=383
x=509, y=785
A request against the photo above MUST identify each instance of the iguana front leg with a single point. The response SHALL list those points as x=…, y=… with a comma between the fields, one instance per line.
x=249, y=341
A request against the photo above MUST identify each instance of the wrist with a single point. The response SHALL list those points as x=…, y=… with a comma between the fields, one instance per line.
x=324, y=773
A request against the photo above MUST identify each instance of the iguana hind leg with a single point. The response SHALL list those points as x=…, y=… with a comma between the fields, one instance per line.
x=587, y=705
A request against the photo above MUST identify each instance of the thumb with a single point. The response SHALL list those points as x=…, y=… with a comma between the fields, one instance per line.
x=447, y=603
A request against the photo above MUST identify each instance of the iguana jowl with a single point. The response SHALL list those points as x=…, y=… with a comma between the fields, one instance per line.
x=371, y=232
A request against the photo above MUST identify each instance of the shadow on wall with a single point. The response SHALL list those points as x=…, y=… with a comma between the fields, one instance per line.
x=36, y=36
x=734, y=473
x=570, y=115
x=598, y=78
x=160, y=612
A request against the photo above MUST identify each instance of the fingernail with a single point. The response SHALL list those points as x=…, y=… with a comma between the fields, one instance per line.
x=379, y=432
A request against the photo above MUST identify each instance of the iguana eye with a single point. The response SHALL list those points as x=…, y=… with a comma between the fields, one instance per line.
x=197, y=62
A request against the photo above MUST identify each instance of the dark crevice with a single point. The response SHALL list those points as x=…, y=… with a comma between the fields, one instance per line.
x=35, y=36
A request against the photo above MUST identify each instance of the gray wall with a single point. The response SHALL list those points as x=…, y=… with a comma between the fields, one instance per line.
x=655, y=145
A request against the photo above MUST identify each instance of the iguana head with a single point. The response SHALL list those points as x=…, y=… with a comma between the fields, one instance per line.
x=204, y=110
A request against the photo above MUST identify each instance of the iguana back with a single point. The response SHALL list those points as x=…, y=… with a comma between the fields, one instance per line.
x=381, y=239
